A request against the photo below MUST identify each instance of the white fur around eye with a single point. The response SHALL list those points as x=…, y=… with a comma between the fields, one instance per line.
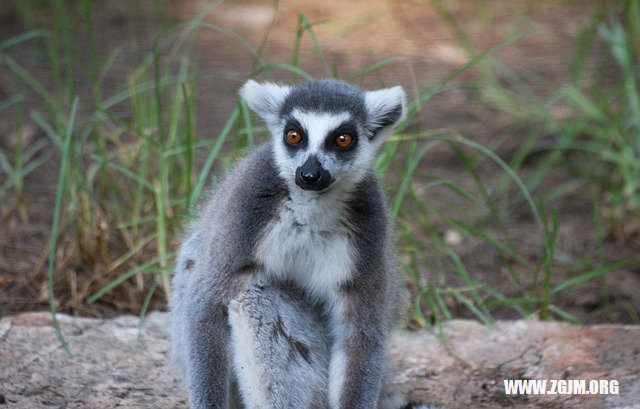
x=318, y=126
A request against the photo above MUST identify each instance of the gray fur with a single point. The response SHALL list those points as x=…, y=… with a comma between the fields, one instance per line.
x=220, y=249
x=326, y=96
x=288, y=347
x=307, y=277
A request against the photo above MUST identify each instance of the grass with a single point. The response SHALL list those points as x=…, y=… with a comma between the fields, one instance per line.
x=596, y=142
x=57, y=213
x=132, y=166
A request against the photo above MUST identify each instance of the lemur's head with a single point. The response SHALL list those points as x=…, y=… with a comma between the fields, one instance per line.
x=325, y=133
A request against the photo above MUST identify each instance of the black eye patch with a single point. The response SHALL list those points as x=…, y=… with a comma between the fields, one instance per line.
x=330, y=144
x=293, y=125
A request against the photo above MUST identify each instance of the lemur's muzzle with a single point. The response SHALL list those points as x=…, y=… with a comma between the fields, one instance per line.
x=312, y=176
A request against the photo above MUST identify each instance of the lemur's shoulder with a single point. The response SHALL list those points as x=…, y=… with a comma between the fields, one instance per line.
x=245, y=200
x=368, y=209
x=252, y=175
x=250, y=186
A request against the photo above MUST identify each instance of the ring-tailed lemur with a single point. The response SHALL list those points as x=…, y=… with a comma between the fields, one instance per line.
x=285, y=293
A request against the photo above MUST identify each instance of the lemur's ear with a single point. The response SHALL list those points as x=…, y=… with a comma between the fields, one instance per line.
x=386, y=108
x=265, y=98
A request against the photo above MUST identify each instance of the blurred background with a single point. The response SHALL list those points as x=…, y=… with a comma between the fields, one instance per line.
x=514, y=182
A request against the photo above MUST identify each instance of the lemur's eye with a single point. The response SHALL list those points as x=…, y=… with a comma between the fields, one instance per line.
x=293, y=137
x=344, y=140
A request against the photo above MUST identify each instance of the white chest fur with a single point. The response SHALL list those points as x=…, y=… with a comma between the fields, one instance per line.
x=308, y=243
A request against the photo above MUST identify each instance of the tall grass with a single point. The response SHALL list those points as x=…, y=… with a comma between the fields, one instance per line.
x=606, y=121
x=127, y=182
x=593, y=123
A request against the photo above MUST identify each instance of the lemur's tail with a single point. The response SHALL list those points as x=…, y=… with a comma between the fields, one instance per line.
x=397, y=401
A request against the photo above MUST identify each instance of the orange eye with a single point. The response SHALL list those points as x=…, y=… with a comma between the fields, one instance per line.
x=344, y=140
x=293, y=137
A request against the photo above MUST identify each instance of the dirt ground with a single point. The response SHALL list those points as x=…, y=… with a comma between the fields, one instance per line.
x=353, y=35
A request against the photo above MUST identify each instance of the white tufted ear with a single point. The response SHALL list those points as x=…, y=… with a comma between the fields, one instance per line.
x=386, y=108
x=265, y=98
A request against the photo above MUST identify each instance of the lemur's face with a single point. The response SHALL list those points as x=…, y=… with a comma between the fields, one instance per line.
x=317, y=149
x=325, y=133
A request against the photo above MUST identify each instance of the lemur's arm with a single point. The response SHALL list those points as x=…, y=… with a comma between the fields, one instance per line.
x=280, y=348
x=206, y=343
x=358, y=353
x=199, y=330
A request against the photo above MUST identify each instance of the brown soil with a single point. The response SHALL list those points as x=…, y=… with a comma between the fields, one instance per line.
x=353, y=35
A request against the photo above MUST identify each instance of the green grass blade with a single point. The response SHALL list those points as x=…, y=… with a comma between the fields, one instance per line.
x=590, y=275
x=411, y=167
x=131, y=252
x=23, y=172
x=34, y=84
x=188, y=136
x=11, y=101
x=197, y=190
x=5, y=165
x=486, y=319
x=122, y=278
x=236, y=37
x=19, y=39
x=246, y=118
x=145, y=306
x=124, y=171
x=373, y=67
x=57, y=215
x=316, y=44
x=283, y=67
x=505, y=167
x=565, y=315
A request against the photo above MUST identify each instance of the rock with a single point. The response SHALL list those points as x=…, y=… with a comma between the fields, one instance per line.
x=469, y=372
x=112, y=366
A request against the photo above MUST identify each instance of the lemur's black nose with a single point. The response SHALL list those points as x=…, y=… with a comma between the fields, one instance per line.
x=312, y=176
x=309, y=177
